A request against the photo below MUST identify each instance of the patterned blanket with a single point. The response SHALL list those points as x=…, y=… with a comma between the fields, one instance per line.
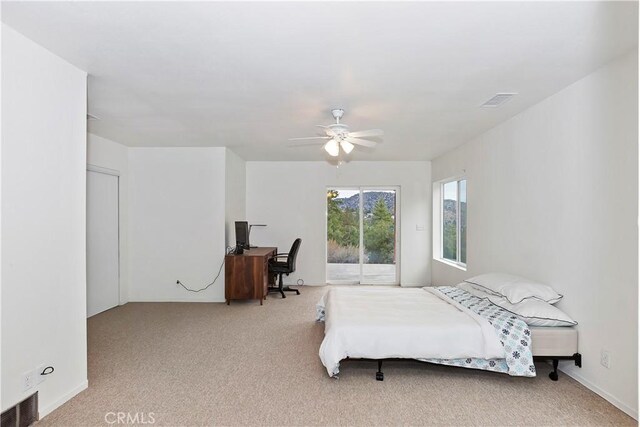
x=514, y=335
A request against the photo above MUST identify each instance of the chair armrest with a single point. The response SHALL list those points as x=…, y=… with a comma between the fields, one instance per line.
x=278, y=259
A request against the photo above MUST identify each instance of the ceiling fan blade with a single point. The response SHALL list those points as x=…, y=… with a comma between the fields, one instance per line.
x=358, y=141
x=370, y=132
x=310, y=137
x=325, y=130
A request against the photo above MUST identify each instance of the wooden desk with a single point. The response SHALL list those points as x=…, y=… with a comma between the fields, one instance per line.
x=247, y=275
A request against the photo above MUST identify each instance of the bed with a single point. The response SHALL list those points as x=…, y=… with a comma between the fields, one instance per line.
x=443, y=325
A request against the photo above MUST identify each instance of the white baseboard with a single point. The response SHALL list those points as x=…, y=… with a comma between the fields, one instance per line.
x=43, y=412
x=606, y=395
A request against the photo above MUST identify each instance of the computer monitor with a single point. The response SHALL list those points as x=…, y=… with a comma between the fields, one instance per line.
x=242, y=234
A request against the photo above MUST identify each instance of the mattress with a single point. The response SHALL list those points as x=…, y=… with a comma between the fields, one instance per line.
x=554, y=341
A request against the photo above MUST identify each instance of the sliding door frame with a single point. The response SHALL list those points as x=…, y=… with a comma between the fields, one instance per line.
x=361, y=189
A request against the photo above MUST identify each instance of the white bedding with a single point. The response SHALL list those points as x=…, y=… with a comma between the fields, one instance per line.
x=378, y=323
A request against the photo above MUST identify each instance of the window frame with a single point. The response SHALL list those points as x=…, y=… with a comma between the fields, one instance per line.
x=458, y=261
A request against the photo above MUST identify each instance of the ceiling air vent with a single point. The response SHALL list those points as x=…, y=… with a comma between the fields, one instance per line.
x=498, y=99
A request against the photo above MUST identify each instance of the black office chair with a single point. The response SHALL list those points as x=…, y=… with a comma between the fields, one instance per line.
x=284, y=264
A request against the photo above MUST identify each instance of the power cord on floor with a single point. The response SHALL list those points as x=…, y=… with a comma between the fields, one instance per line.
x=228, y=251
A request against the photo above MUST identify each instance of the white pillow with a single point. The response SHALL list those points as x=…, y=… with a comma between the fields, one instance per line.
x=535, y=312
x=514, y=288
x=532, y=311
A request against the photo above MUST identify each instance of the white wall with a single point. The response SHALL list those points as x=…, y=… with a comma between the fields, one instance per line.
x=291, y=198
x=235, y=194
x=104, y=153
x=1, y=236
x=553, y=195
x=43, y=222
x=176, y=223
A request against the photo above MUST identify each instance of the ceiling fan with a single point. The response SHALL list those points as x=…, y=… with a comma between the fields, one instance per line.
x=338, y=136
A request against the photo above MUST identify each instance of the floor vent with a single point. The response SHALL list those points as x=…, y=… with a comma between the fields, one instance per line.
x=23, y=414
x=498, y=99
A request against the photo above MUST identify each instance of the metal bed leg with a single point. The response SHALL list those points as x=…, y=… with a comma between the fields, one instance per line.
x=554, y=375
x=379, y=374
x=577, y=358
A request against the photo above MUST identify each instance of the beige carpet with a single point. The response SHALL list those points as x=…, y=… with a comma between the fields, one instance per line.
x=205, y=364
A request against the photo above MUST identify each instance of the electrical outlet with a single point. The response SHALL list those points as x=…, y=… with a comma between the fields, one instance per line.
x=33, y=378
x=28, y=380
x=605, y=358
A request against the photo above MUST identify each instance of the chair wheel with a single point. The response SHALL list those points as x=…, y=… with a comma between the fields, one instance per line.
x=553, y=376
x=379, y=376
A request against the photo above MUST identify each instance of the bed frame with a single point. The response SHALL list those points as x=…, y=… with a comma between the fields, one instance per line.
x=576, y=357
x=553, y=375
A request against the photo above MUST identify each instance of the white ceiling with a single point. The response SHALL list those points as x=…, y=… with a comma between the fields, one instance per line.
x=250, y=75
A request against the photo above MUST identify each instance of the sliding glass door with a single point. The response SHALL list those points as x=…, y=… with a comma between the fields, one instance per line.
x=343, y=235
x=362, y=235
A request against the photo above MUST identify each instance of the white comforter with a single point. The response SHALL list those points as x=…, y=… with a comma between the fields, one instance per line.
x=414, y=323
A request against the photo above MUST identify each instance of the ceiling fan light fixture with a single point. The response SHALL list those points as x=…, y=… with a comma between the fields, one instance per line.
x=338, y=137
x=332, y=148
x=346, y=146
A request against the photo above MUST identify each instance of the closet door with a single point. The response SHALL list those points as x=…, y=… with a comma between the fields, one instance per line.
x=103, y=265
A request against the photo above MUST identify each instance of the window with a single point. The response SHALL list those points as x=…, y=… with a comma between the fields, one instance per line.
x=454, y=221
